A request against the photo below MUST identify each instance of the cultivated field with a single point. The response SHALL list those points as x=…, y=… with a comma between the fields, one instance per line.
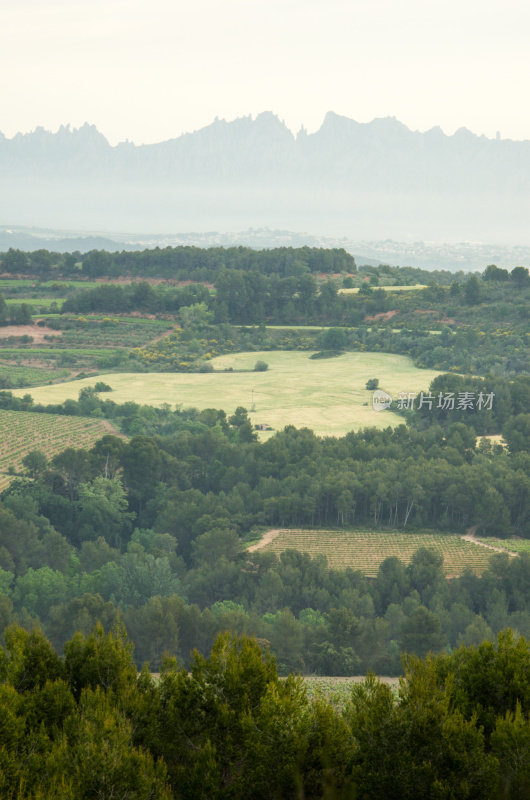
x=326, y=395
x=22, y=431
x=81, y=342
x=37, y=302
x=37, y=333
x=512, y=545
x=366, y=550
x=13, y=375
x=338, y=689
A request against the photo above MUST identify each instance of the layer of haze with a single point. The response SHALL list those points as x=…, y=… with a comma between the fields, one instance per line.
x=149, y=71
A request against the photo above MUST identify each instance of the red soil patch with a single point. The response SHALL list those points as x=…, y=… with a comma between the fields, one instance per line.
x=383, y=316
x=35, y=331
x=323, y=276
x=19, y=276
x=195, y=283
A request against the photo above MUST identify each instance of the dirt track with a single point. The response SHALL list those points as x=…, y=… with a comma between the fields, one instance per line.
x=469, y=537
x=265, y=539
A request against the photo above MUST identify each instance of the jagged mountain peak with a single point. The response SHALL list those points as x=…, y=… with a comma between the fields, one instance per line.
x=252, y=170
x=86, y=132
x=466, y=134
x=333, y=121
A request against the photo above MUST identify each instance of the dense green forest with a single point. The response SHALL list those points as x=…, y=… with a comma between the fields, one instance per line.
x=86, y=725
x=179, y=263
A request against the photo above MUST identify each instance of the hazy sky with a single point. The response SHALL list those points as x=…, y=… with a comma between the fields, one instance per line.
x=149, y=71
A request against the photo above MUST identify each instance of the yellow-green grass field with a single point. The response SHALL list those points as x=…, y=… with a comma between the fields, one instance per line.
x=23, y=431
x=326, y=395
x=366, y=550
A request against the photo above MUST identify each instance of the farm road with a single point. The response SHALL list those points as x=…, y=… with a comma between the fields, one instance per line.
x=470, y=537
x=265, y=540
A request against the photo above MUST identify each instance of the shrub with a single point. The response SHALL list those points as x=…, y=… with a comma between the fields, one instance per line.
x=326, y=354
x=261, y=366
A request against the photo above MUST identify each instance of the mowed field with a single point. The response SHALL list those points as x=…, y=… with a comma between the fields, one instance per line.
x=326, y=395
x=23, y=431
x=366, y=550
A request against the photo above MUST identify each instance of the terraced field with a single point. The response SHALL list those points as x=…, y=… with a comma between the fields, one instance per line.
x=22, y=431
x=79, y=342
x=366, y=550
x=37, y=302
x=12, y=375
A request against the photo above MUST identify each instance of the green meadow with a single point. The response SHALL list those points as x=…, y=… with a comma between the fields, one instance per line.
x=326, y=395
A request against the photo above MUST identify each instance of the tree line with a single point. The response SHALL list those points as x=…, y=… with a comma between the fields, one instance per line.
x=87, y=725
x=179, y=263
x=14, y=314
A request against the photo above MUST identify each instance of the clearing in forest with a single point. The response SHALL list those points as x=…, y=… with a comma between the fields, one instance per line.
x=328, y=395
x=366, y=550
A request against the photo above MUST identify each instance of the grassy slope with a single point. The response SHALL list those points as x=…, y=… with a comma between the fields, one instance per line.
x=326, y=395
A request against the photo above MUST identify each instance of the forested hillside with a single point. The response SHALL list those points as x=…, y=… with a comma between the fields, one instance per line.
x=158, y=531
